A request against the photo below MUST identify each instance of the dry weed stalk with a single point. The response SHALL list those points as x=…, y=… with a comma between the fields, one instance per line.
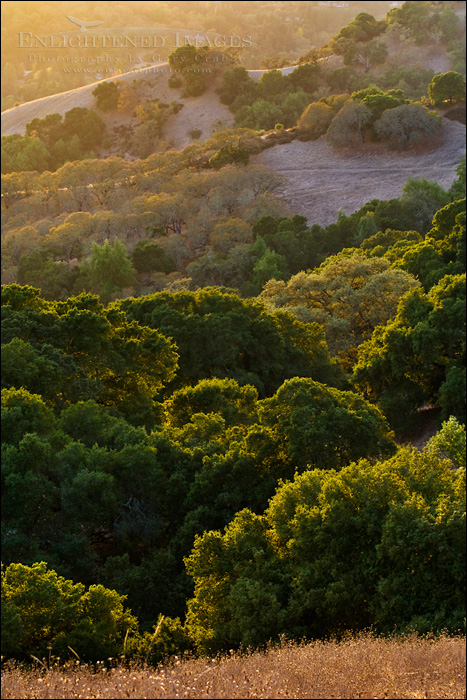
x=364, y=666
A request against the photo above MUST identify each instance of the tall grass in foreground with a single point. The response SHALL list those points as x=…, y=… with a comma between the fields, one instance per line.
x=360, y=667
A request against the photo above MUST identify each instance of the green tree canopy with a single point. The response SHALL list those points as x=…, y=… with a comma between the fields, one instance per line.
x=148, y=256
x=413, y=18
x=447, y=87
x=107, y=95
x=50, y=611
x=23, y=153
x=23, y=412
x=220, y=335
x=363, y=28
x=342, y=79
x=234, y=83
x=409, y=362
x=262, y=114
x=95, y=354
x=49, y=129
x=229, y=154
x=379, y=103
x=332, y=553
x=109, y=268
x=324, y=427
x=306, y=77
x=349, y=295
x=236, y=404
x=86, y=125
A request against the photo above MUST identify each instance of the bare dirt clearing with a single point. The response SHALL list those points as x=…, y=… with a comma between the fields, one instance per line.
x=320, y=180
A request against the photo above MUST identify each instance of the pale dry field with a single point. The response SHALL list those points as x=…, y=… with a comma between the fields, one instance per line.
x=360, y=667
x=321, y=180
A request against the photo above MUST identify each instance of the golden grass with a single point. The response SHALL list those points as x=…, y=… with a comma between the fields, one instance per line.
x=360, y=667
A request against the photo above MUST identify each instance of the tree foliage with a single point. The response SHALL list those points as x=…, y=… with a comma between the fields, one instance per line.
x=315, y=120
x=362, y=29
x=318, y=426
x=350, y=295
x=332, y=553
x=107, y=95
x=51, y=141
x=188, y=60
x=407, y=125
x=133, y=431
x=41, y=611
x=413, y=19
x=349, y=124
x=367, y=55
x=229, y=154
x=412, y=361
x=220, y=335
x=109, y=268
x=94, y=354
x=447, y=87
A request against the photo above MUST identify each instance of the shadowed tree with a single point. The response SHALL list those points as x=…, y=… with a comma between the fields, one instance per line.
x=349, y=124
x=407, y=124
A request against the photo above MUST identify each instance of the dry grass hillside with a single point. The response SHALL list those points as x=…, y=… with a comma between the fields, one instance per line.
x=198, y=112
x=204, y=111
x=321, y=180
x=362, y=667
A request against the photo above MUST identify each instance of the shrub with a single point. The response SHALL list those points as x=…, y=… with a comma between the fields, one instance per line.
x=168, y=637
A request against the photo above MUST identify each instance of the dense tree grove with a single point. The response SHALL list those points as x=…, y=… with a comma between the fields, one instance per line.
x=203, y=395
x=333, y=551
x=132, y=429
x=115, y=484
x=106, y=484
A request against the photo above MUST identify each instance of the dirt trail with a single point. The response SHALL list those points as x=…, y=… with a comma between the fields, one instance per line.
x=320, y=180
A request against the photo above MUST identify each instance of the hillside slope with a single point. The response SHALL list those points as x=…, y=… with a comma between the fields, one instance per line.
x=320, y=180
x=199, y=112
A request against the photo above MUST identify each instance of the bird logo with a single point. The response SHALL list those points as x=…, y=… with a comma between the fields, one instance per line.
x=83, y=25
